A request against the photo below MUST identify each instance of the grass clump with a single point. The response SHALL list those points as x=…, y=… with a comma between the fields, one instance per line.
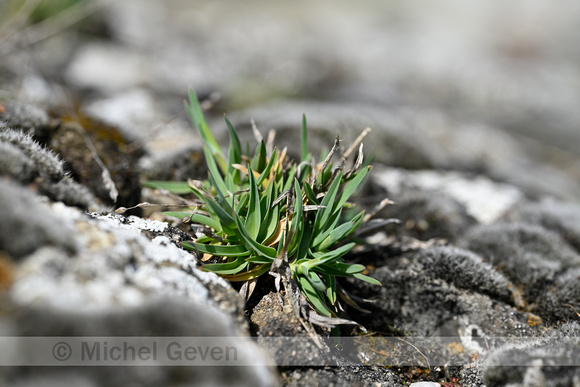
x=261, y=209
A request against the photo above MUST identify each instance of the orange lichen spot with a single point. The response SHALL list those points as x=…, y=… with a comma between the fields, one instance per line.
x=2, y=108
x=6, y=273
x=534, y=320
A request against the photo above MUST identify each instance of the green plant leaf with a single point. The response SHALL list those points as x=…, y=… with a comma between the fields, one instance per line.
x=322, y=258
x=260, y=249
x=348, y=268
x=176, y=187
x=268, y=168
x=290, y=178
x=242, y=205
x=177, y=214
x=229, y=268
x=313, y=296
x=271, y=219
x=304, y=243
x=196, y=115
x=297, y=225
x=310, y=194
x=366, y=279
x=254, y=216
x=259, y=161
x=248, y=275
x=339, y=269
x=230, y=184
x=330, y=281
x=225, y=217
x=351, y=187
x=341, y=232
x=197, y=218
x=259, y=259
x=305, y=155
x=214, y=174
x=327, y=228
x=234, y=153
x=328, y=201
x=218, y=250
x=316, y=282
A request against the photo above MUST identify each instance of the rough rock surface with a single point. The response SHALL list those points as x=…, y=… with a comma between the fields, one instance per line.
x=474, y=117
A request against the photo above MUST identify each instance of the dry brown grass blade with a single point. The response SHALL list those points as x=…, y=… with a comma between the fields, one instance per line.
x=385, y=202
x=326, y=161
x=257, y=133
x=574, y=309
x=270, y=141
x=248, y=288
x=357, y=164
x=355, y=144
x=277, y=235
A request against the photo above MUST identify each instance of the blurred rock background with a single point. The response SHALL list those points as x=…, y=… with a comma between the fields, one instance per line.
x=455, y=78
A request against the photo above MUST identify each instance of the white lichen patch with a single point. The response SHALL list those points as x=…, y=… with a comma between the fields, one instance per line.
x=483, y=199
x=114, y=264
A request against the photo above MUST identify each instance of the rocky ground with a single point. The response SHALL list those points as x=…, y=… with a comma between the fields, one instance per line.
x=474, y=118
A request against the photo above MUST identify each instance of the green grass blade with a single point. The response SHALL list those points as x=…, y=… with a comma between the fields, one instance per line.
x=351, y=187
x=259, y=259
x=348, y=268
x=225, y=217
x=234, y=153
x=310, y=194
x=323, y=258
x=248, y=275
x=244, y=235
x=304, y=243
x=327, y=228
x=176, y=187
x=254, y=216
x=242, y=203
x=366, y=279
x=209, y=222
x=315, y=281
x=313, y=296
x=297, y=226
x=339, y=269
x=215, y=176
x=330, y=281
x=290, y=178
x=270, y=221
x=178, y=214
x=339, y=233
x=259, y=161
x=218, y=250
x=267, y=169
x=324, y=214
x=229, y=268
x=305, y=155
x=196, y=115
x=230, y=183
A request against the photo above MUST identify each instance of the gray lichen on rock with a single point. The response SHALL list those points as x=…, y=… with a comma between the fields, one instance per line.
x=529, y=255
x=24, y=160
x=26, y=117
x=27, y=224
x=551, y=360
x=466, y=270
x=48, y=165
